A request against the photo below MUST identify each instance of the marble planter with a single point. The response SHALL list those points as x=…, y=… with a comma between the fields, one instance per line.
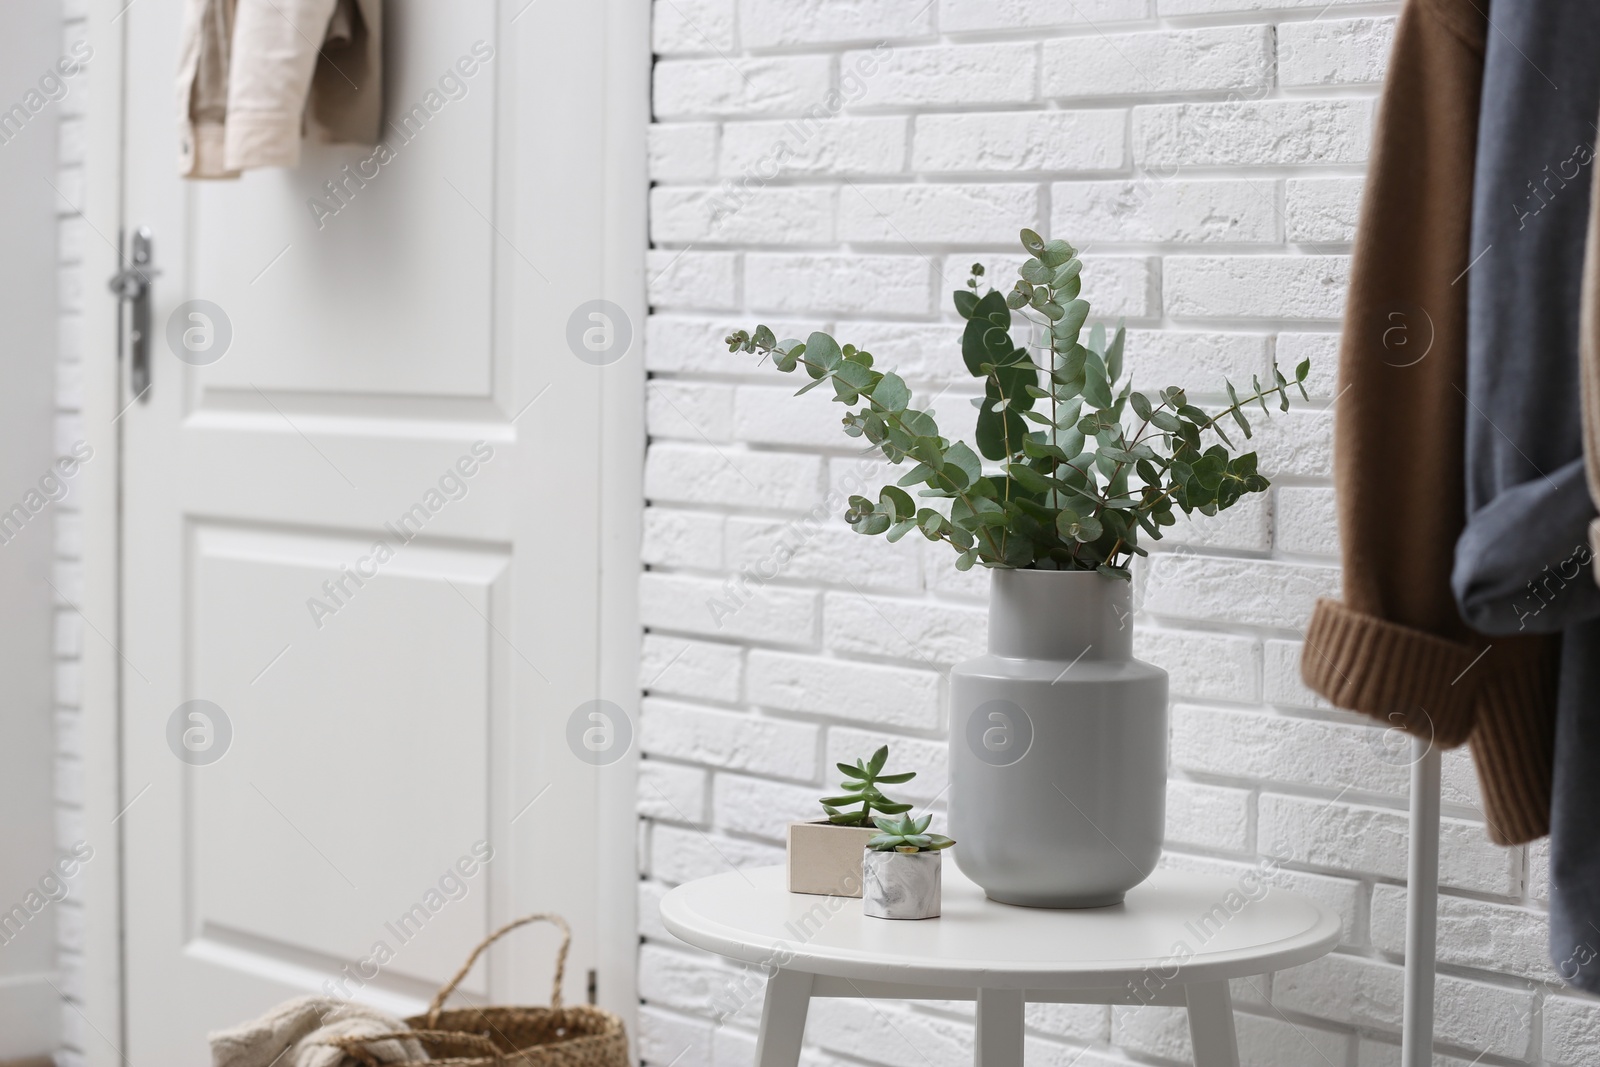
x=900, y=885
x=825, y=859
x=1058, y=745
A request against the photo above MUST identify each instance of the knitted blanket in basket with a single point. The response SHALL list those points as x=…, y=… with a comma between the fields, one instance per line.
x=300, y=1033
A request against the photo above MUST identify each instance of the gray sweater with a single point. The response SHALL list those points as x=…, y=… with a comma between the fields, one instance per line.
x=1522, y=564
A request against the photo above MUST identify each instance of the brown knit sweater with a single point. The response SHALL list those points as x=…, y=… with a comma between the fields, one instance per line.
x=1396, y=647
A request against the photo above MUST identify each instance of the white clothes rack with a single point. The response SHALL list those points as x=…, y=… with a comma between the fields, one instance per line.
x=1422, y=906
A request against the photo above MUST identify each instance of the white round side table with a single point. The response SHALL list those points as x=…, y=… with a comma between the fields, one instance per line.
x=1176, y=940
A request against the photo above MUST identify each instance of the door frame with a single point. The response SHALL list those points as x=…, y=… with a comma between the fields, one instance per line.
x=627, y=71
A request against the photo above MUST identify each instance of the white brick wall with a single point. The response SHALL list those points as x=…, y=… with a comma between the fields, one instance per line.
x=1209, y=154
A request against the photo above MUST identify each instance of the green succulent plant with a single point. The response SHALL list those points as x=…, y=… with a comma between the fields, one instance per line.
x=1081, y=464
x=907, y=834
x=861, y=787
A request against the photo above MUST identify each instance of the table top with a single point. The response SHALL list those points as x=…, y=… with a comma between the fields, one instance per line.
x=1176, y=927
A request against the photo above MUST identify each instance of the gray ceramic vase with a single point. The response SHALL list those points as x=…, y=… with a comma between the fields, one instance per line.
x=1058, y=745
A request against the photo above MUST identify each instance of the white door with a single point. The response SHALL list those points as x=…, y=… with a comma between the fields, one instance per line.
x=362, y=528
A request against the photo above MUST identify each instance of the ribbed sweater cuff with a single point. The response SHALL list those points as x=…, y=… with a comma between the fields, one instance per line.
x=1405, y=677
x=1513, y=743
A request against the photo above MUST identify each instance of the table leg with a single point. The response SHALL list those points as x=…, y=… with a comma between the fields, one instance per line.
x=1211, y=1024
x=999, y=1028
x=783, y=1019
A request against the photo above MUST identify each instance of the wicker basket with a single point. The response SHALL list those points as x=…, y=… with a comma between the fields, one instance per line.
x=557, y=1036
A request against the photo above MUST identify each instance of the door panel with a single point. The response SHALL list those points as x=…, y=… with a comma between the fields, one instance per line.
x=370, y=534
x=349, y=745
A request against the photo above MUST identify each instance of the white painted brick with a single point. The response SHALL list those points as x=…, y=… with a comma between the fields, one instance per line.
x=948, y=214
x=896, y=1037
x=957, y=15
x=1322, y=209
x=1203, y=664
x=714, y=608
x=1297, y=443
x=1571, y=1030
x=1263, y=1042
x=765, y=809
x=762, y=215
x=682, y=538
x=1472, y=933
x=940, y=575
x=1539, y=870
x=1367, y=993
x=1177, y=211
x=914, y=630
x=685, y=343
x=1458, y=779
x=1334, y=52
x=813, y=147
x=692, y=410
x=1307, y=520
x=1281, y=748
x=1354, y=837
x=1222, y=57
x=768, y=23
x=863, y=474
x=1117, y=286
x=1198, y=362
x=1281, y=674
x=862, y=692
x=829, y=552
x=691, y=344
x=1123, y=286
x=1040, y=1052
x=692, y=279
x=683, y=151
x=732, y=740
x=680, y=855
x=702, y=474
x=913, y=350
x=649, y=905
x=1247, y=526
x=668, y=791
x=667, y=1037
x=1081, y=1022
x=1273, y=287
x=1341, y=896
x=731, y=1047
x=1211, y=7
x=966, y=75
x=928, y=758
x=723, y=86
x=776, y=416
x=1253, y=592
x=1252, y=133
x=690, y=981
x=1469, y=860
x=1020, y=141
x=690, y=668
x=1322, y=349
x=691, y=26
x=880, y=284
x=1371, y=1052
x=1208, y=816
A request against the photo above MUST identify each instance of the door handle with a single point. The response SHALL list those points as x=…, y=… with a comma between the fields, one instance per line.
x=132, y=285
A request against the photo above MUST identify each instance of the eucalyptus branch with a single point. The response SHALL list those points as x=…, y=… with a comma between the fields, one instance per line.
x=1065, y=496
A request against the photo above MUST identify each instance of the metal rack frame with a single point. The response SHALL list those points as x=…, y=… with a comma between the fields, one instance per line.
x=1422, y=906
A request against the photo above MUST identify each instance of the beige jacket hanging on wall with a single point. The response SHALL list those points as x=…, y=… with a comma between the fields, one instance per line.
x=252, y=74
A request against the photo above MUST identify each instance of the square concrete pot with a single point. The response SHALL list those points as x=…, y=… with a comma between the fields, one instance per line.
x=825, y=859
